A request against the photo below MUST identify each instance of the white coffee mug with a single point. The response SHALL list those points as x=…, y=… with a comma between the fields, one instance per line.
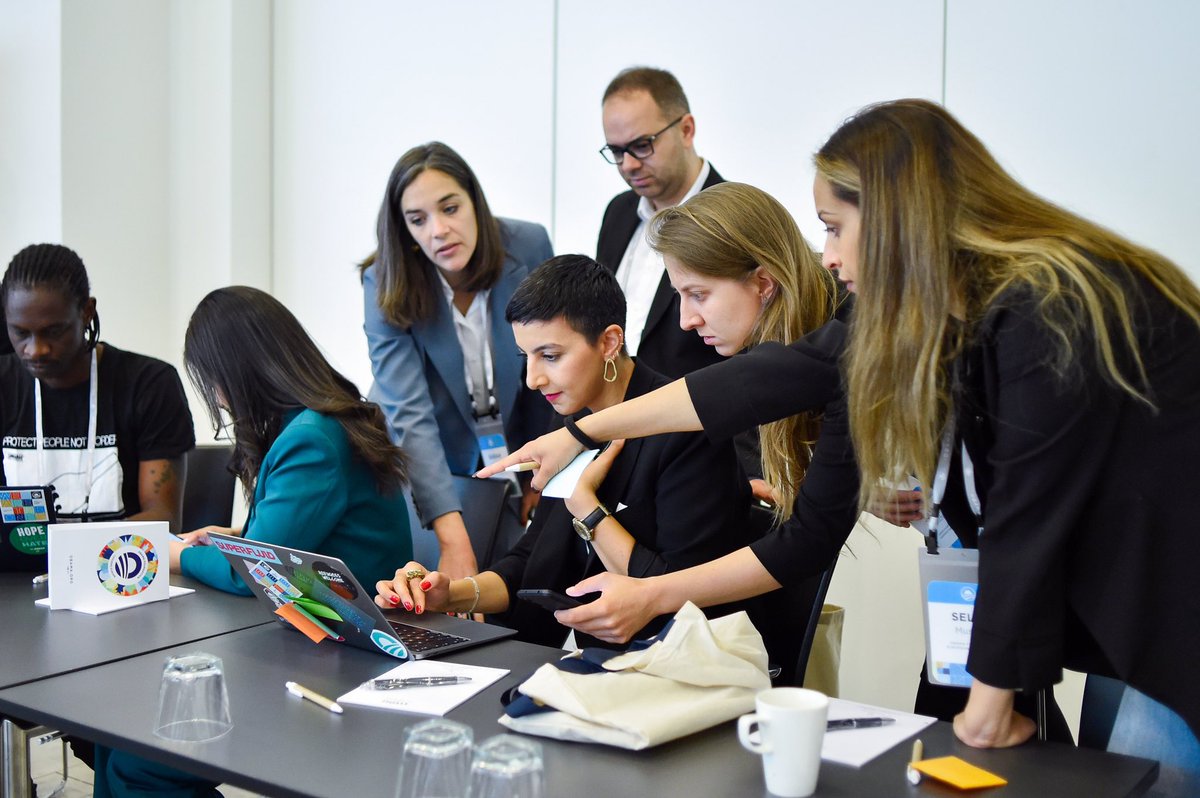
x=790, y=725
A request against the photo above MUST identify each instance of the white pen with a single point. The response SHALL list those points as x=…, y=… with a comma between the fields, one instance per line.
x=316, y=698
x=528, y=465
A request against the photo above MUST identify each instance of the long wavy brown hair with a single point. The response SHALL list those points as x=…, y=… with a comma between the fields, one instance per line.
x=246, y=353
x=944, y=233
x=726, y=232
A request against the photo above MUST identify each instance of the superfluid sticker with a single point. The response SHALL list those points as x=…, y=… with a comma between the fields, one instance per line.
x=388, y=644
x=127, y=565
x=951, y=614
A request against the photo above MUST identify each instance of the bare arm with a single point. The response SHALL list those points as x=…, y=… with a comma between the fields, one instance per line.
x=627, y=604
x=668, y=409
x=160, y=491
x=457, y=558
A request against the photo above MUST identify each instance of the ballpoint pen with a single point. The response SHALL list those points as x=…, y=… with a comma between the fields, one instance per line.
x=857, y=723
x=418, y=681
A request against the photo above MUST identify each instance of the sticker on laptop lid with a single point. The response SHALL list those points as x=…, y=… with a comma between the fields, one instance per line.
x=245, y=549
x=388, y=644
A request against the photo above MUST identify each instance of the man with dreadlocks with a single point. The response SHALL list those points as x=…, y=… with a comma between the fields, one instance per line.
x=107, y=428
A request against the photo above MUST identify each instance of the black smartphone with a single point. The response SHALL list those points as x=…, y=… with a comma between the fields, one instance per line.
x=549, y=599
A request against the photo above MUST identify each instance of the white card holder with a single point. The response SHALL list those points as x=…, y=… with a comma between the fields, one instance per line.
x=949, y=584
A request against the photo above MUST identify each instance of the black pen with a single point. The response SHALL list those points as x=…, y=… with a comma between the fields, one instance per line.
x=857, y=723
x=418, y=681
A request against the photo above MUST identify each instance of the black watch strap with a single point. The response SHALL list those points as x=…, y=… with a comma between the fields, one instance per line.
x=579, y=434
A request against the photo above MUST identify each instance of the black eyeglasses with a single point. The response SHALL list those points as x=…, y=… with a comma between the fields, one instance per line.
x=641, y=148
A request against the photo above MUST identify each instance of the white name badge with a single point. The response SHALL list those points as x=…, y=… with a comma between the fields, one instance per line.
x=949, y=584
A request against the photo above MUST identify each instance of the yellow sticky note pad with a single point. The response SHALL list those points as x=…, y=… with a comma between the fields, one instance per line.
x=958, y=773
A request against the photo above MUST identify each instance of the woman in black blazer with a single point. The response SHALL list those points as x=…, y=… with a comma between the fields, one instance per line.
x=642, y=508
x=1065, y=361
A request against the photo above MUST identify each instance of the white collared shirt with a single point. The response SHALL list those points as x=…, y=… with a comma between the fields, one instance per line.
x=642, y=268
x=476, y=344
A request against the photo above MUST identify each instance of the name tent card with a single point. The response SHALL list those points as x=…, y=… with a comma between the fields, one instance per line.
x=101, y=567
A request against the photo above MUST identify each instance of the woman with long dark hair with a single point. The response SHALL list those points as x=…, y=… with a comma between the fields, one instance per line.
x=313, y=458
x=447, y=371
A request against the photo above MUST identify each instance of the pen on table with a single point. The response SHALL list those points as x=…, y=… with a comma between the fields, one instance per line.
x=918, y=753
x=528, y=465
x=316, y=698
x=857, y=723
x=418, y=681
x=41, y=579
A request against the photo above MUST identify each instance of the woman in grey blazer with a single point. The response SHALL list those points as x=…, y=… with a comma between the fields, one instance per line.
x=447, y=371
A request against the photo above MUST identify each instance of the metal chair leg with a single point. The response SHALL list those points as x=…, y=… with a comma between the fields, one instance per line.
x=15, y=741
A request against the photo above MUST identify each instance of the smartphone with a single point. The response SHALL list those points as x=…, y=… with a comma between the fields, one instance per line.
x=549, y=599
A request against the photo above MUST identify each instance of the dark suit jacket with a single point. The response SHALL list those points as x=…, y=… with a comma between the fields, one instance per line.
x=665, y=348
x=684, y=500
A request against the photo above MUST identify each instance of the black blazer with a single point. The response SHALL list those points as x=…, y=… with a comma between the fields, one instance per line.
x=684, y=500
x=665, y=348
x=1090, y=548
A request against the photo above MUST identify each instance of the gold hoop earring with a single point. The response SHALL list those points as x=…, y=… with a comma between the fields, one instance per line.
x=610, y=362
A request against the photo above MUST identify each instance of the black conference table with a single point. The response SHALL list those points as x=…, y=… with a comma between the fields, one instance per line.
x=283, y=746
x=40, y=642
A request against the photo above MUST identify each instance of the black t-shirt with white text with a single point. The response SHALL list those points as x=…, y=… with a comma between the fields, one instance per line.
x=142, y=414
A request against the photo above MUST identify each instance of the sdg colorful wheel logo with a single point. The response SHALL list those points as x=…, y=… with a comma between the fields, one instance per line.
x=127, y=565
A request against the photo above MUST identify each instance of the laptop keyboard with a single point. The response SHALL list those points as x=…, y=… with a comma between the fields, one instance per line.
x=418, y=639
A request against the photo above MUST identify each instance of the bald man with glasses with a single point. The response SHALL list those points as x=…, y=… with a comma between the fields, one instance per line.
x=649, y=132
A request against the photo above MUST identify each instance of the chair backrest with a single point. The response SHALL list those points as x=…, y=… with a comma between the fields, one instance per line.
x=787, y=618
x=1101, y=700
x=483, y=514
x=209, y=489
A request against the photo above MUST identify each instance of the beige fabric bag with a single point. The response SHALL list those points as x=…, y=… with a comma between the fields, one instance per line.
x=702, y=674
x=825, y=659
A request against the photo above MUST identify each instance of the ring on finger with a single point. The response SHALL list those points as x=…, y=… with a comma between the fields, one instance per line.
x=415, y=573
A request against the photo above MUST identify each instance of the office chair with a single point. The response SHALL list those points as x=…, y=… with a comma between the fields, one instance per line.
x=787, y=618
x=209, y=490
x=484, y=516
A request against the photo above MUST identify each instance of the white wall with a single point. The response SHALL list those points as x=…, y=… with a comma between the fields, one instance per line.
x=30, y=125
x=186, y=145
x=369, y=80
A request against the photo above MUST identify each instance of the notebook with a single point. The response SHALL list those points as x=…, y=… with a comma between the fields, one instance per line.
x=323, y=590
x=25, y=513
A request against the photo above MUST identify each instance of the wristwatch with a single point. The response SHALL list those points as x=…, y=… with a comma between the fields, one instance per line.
x=587, y=527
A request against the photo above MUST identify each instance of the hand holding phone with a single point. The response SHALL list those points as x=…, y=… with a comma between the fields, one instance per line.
x=549, y=599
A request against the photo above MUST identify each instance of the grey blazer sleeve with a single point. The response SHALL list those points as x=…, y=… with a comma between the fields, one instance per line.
x=401, y=390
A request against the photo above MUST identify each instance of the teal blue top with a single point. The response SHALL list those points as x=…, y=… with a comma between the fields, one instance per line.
x=313, y=494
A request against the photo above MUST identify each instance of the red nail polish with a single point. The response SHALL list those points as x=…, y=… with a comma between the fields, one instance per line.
x=420, y=610
x=408, y=606
x=394, y=599
x=425, y=585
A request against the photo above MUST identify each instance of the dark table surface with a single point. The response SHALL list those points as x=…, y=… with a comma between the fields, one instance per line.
x=39, y=642
x=283, y=746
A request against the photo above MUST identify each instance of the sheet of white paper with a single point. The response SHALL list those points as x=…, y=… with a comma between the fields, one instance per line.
x=562, y=484
x=175, y=591
x=857, y=747
x=425, y=700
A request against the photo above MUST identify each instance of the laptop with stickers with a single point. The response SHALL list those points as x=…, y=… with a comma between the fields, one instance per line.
x=320, y=589
x=25, y=514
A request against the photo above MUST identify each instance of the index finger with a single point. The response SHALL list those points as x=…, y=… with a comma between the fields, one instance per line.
x=495, y=468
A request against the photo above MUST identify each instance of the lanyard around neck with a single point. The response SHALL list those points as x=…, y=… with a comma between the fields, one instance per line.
x=91, y=437
x=941, y=477
x=481, y=386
